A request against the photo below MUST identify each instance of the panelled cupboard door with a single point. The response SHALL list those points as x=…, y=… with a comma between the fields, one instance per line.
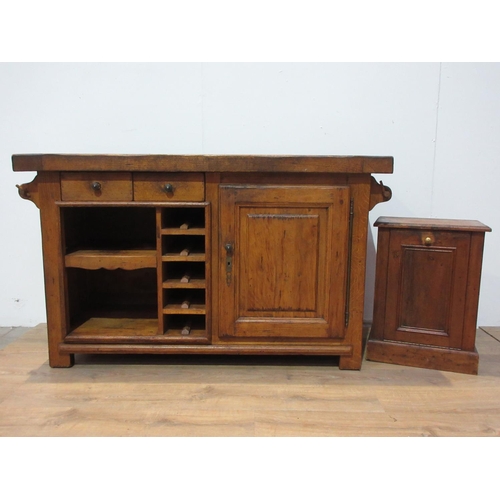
x=283, y=262
x=426, y=287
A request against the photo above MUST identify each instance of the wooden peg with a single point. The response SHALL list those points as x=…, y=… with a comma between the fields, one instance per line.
x=186, y=278
x=185, y=225
x=185, y=304
x=186, y=329
x=185, y=252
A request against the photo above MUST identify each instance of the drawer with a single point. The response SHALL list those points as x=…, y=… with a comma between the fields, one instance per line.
x=169, y=187
x=98, y=186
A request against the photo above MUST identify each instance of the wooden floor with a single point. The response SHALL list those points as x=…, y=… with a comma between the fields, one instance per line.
x=240, y=396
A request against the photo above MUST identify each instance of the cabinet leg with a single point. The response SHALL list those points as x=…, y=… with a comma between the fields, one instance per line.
x=350, y=363
x=57, y=360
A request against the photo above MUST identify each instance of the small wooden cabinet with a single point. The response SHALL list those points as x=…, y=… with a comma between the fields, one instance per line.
x=204, y=254
x=427, y=293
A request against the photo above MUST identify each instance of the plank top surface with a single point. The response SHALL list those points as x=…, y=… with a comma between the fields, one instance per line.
x=203, y=163
x=431, y=224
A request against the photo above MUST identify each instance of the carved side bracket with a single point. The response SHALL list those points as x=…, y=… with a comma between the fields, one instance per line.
x=379, y=193
x=29, y=191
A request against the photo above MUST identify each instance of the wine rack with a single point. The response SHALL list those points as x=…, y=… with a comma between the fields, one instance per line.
x=183, y=271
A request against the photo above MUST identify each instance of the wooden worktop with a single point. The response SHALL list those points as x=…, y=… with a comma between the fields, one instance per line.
x=431, y=224
x=203, y=163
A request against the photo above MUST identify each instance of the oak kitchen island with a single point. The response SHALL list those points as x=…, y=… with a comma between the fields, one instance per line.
x=204, y=254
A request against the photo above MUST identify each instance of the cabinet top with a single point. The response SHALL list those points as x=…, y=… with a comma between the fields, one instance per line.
x=203, y=163
x=431, y=224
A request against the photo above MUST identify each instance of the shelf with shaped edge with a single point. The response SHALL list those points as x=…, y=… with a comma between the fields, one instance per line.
x=111, y=259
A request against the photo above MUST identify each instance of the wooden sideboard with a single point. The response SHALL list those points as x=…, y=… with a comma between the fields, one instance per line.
x=204, y=254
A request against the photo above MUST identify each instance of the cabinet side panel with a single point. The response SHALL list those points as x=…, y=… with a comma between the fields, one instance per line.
x=473, y=284
x=383, y=241
x=54, y=270
x=360, y=194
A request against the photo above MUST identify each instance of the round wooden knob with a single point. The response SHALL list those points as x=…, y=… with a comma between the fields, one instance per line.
x=168, y=188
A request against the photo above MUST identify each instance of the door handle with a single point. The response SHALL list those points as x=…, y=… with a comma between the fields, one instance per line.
x=229, y=262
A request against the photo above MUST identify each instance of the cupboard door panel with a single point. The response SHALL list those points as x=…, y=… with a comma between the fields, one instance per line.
x=267, y=237
x=426, y=288
x=287, y=273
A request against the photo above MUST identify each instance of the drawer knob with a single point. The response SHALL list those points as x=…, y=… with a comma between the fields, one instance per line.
x=168, y=188
x=428, y=241
x=96, y=186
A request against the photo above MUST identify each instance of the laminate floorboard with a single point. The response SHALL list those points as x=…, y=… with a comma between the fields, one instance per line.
x=9, y=334
x=494, y=331
x=241, y=396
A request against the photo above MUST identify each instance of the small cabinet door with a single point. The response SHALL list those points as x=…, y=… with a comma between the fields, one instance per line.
x=283, y=262
x=426, y=287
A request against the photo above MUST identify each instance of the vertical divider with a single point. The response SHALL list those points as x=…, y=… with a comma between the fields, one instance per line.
x=159, y=270
x=208, y=272
x=212, y=182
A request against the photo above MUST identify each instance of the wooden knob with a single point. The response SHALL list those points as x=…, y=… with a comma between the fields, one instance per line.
x=168, y=188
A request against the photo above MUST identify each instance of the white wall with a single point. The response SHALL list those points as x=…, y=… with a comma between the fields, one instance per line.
x=441, y=122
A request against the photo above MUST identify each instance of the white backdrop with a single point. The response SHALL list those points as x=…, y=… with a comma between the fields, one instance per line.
x=441, y=122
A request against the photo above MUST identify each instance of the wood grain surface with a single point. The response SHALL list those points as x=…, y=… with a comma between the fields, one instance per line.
x=222, y=396
x=204, y=163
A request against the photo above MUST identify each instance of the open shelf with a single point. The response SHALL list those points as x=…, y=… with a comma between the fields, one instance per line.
x=187, y=275
x=118, y=326
x=194, y=335
x=111, y=259
x=184, y=301
x=136, y=274
x=109, y=237
x=135, y=331
x=176, y=257
x=176, y=283
x=191, y=231
x=183, y=218
x=180, y=244
x=108, y=228
x=112, y=302
x=185, y=327
x=177, y=309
